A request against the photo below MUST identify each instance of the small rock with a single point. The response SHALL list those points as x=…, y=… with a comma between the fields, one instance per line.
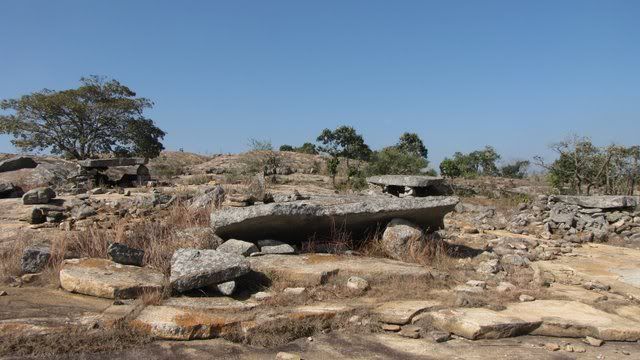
x=400, y=237
x=439, y=336
x=391, y=327
x=122, y=254
x=193, y=268
x=97, y=191
x=525, y=298
x=504, y=286
x=592, y=285
x=552, y=346
x=469, y=230
x=262, y=295
x=489, y=267
x=477, y=283
x=83, y=212
x=275, y=247
x=3, y=293
x=410, y=331
x=29, y=278
x=227, y=288
x=357, y=284
x=294, y=291
x=593, y=341
x=35, y=258
x=36, y=196
x=287, y=356
x=239, y=247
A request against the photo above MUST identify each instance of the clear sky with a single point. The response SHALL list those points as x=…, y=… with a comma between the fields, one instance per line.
x=514, y=74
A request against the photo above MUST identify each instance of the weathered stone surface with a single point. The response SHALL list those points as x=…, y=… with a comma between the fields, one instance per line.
x=105, y=163
x=401, y=237
x=104, y=278
x=216, y=303
x=122, y=254
x=192, y=268
x=35, y=258
x=238, y=247
x=574, y=319
x=480, y=323
x=275, y=247
x=316, y=269
x=83, y=211
x=357, y=284
x=203, y=236
x=38, y=196
x=401, y=312
x=600, y=201
x=300, y=220
x=405, y=180
x=172, y=323
x=17, y=163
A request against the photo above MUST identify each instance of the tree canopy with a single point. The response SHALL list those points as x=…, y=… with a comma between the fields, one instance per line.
x=99, y=117
x=410, y=143
x=479, y=162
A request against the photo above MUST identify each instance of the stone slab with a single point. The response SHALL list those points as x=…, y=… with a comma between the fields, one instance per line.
x=105, y=163
x=104, y=278
x=480, y=323
x=402, y=311
x=405, y=180
x=600, y=201
x=320, y=217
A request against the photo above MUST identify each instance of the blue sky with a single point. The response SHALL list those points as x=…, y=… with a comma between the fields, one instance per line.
x=518, y=75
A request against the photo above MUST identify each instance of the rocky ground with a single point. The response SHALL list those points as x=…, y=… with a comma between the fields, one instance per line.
x=133, y=272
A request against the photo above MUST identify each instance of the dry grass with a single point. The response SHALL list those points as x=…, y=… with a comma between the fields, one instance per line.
x=74, y=340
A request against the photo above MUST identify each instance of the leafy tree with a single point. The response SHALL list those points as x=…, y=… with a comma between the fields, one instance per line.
x=343, y=142
x=410, y=143
x=286, y=148
x=101, y=116
x=479, y=162
x=515, y=170
x=391, y=160
x=307, y=148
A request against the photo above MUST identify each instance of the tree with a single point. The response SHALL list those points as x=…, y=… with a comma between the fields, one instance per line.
x=286, y=148
x=307, y=148
x=479, y=162
x=343, y=142
x=391, y=160
x=515, y=170
x=410, y=143
x=99, y=117
x=259, y=145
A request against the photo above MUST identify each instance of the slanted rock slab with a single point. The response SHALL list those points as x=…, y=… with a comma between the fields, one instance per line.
x=238, y=247
x=107, y=279
x=480, y=323
x=600, y=201
x=401, y=312
x=193, y=268
x=574, y=319
x=275, y=247
x=303, y=219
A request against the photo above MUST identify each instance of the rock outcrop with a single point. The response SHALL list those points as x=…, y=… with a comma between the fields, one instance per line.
x=193, y=269
x=37, y=196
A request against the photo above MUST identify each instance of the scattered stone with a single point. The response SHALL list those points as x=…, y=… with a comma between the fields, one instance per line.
x=29, y=278
x=227, y=288
x=439, y=336
x=469, y=230
x=401, y=237
x=489, y=267
x=275, y=247
x=468, y=289
x=104, y=278
x=97, y=191
x=525, y=297
x=193, y=268
x=603, y=202
x=262, y=295
x=552, y=346
x=477, y=283
x=592, y=285
x=37, y=196
x=593, y=341
x=122, y=254
x=3, y=293
x=83, y=211
x=391, y=327
x=8, y=190
x=357, y=284
x=35, y=258
x=504, y=286
x=294, y=291
x=17, y=163
x=410, y=331
x=287, y=356
x=402, y=311
x=36, y=216
x=238, y=247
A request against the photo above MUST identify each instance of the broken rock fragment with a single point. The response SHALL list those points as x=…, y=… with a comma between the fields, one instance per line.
x=238, y=247
x=193, y=268
x=122, y=254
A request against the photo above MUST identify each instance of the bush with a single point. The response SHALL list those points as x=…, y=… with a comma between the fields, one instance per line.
x=391, y=160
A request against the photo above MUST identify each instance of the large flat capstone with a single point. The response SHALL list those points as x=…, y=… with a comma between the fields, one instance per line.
x=323, y=217
x=105, y=163
x=405, y=180
x=600, y=201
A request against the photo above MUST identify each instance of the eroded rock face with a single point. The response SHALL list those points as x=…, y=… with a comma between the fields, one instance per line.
x=105, y=278
x=193, y=269
x=17, y=163
x=303, y=219
x=36, y=196
x=400, y=237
